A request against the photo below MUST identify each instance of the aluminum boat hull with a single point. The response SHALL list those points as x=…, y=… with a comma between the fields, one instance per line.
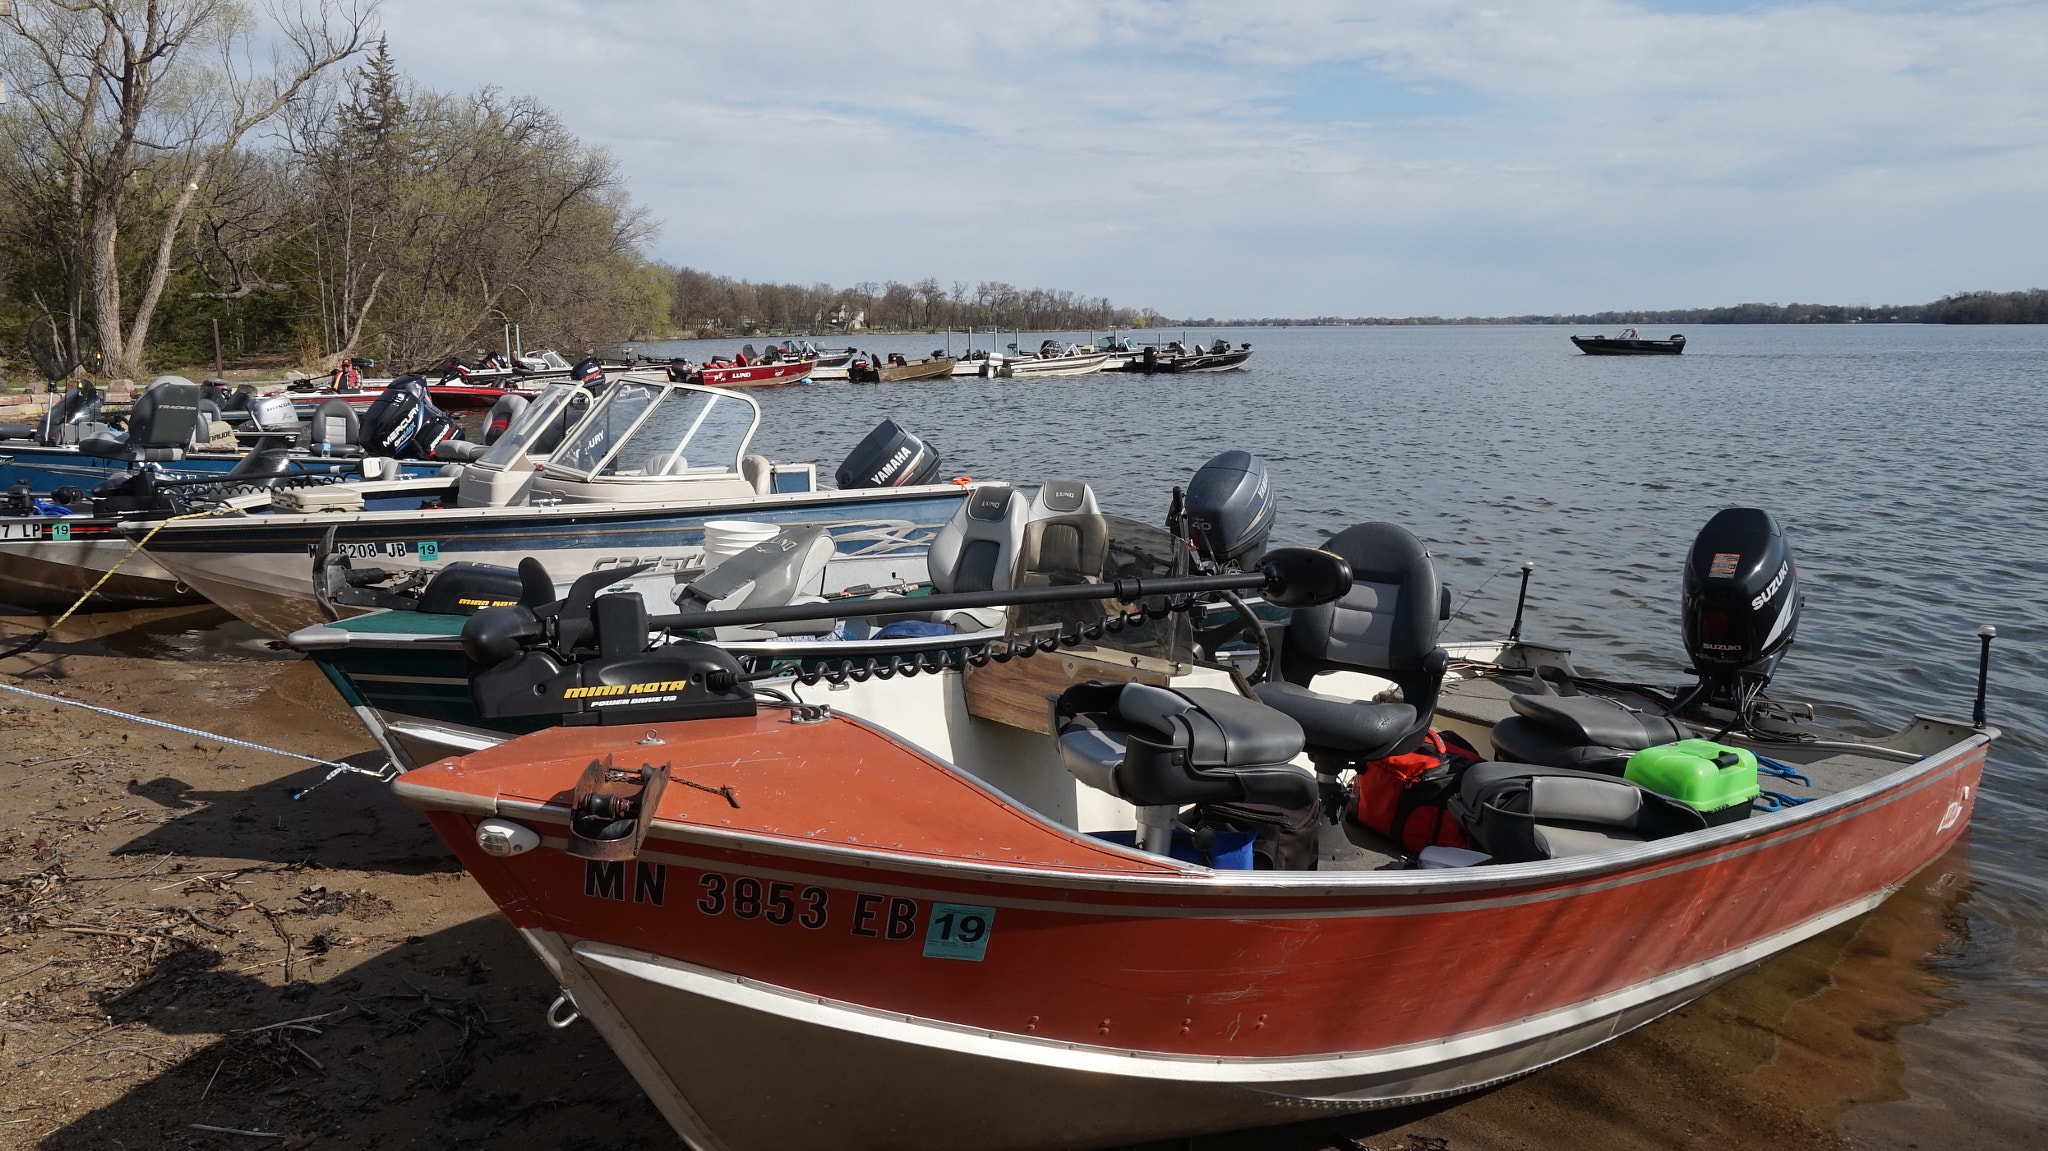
x=773, y=972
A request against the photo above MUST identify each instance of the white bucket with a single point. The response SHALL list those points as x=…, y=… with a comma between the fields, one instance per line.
x=724, y=539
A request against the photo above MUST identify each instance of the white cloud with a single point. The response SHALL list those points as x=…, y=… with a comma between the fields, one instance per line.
x=1311, y=158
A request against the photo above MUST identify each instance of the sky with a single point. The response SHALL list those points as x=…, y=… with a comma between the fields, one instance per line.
x=1301, y=159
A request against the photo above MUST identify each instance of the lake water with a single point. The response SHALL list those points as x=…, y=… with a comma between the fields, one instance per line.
x=1908, y=463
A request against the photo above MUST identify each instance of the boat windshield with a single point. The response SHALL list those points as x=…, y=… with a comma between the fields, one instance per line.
x=532, y=424
x=644, y=429
x=1094, y=548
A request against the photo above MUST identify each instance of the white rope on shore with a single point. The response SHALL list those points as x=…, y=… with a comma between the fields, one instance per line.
x=383, y=774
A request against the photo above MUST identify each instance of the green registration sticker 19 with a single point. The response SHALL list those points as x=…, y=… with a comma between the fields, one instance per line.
x=958, y=931
x=60, y=531
x=429, y=551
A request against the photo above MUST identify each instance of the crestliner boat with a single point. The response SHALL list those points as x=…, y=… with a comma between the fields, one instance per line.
x=996, y=896
x=1053, y=358
x=1629, y=344
x=634, y=481
x=1175, y=357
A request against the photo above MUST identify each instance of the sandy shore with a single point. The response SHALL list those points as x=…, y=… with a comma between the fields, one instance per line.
x=189, y=957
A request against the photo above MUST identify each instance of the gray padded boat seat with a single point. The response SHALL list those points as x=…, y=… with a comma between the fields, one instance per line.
x=1066, y=538
x=1518, y=812
x=784, y=570
x=160, y=425
x=1588, y=732
x=977, y=549
x=1152, y=746
x=1386, y=625
x=334, y=430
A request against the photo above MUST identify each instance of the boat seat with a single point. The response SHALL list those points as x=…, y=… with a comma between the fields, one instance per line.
x=1587, y=732
x=160, y=425
x=1153, y=747
x=977, y=549
x=772, y=573
x=334, y=430
x=1385, y=626
x=759, y=472
x=1519, y=812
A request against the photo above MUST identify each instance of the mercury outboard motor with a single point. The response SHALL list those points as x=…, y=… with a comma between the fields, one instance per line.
x=889, y=458
x=589, y=371
x=1230, y=509
x=404, y=423
x=1741, y=605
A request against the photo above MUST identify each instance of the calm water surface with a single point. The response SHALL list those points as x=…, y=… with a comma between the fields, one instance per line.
x=1907, y=463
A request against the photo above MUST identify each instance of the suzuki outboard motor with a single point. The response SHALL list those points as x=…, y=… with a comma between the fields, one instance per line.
x=404, y=423
x=1741, y=604
x=889, y=458
x=1230, y=508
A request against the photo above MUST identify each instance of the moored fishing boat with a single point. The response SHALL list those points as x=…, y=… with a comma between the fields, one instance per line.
x=1175, y=358
x=634, y=480
x=1629, y=344
x=987, y=900
x=896, y=368
x=1053, y=358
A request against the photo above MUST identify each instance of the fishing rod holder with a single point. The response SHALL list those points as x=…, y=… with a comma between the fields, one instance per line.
x=1521, y=600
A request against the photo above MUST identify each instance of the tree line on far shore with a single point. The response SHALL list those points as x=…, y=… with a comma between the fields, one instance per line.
x=171, y=164
x=708, y=304
x=2027, y=307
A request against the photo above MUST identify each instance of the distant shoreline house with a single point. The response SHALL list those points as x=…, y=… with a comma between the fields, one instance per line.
x=841, y=318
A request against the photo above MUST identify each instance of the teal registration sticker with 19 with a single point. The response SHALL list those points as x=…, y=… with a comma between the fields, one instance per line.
x=958, y=931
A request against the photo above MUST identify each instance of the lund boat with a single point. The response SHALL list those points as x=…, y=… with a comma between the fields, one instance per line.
x=967, y=901
x=1629, y=344
x=746, y=371
x=634, y=481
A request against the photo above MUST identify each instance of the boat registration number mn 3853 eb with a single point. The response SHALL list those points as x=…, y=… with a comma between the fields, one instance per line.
x=951, y=930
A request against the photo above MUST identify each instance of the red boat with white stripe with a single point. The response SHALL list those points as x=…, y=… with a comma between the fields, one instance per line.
x=895, y=911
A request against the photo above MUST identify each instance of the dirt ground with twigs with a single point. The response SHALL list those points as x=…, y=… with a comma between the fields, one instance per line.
x=191, y=958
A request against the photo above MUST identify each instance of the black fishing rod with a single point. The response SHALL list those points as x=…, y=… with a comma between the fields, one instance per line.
x=1291, y=577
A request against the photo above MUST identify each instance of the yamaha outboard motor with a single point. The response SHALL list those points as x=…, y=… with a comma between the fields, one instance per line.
x=1230, y=509
x=404, y=423
x=889, y=458
x=1741, y=605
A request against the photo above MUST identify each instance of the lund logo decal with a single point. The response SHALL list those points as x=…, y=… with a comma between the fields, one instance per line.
x=1954, y=812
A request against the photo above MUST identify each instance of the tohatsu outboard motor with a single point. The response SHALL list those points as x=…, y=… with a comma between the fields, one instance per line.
x=1230, y=509
x=889, y=458
x=1741, y=605
x=404, y=423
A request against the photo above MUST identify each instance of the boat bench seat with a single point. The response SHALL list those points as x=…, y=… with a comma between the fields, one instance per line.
x=1355, y=726
x=1587, y=732
x=1518, y=812
x=1153, y=747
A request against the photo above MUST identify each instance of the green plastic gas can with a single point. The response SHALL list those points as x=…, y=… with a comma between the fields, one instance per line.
x=1717, y=780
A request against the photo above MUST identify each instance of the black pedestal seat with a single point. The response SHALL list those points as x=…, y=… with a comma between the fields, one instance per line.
x=1587, y=732
x=1159, y=747
x=1517, y=812
x=1386, y=626
x=160, y=425
x=335, y=430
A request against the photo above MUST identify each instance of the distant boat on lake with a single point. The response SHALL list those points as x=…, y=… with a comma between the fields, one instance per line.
x=1629, y=344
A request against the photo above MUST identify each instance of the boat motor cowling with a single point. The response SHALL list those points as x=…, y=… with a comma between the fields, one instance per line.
x=1741, y=602
x=1230, y=508
x=404, y=422
x=888, y=458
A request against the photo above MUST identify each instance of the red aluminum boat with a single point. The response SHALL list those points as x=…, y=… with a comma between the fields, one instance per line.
x=894, y=911
x=719, y=375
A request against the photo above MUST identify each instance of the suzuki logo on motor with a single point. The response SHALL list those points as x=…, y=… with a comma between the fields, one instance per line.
x=1777, y=581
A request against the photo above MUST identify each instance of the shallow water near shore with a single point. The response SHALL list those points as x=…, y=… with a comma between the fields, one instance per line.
x=1904, y=461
